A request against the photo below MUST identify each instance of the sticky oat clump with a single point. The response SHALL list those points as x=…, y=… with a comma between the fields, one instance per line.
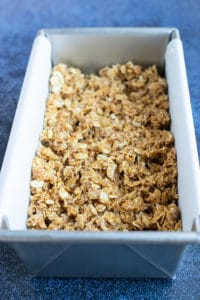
x=107, y=159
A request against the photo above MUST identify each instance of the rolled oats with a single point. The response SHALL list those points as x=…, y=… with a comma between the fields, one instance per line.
x=107, y=159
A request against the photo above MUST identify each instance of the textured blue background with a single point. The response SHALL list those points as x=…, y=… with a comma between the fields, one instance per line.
x=19, y=22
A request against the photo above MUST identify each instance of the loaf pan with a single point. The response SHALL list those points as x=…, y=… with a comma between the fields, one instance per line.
x=99, y=254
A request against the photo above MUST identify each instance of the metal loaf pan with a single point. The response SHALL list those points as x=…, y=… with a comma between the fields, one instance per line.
x=102, y=254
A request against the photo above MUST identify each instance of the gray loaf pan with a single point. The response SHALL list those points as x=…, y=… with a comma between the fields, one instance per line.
x=99, y=254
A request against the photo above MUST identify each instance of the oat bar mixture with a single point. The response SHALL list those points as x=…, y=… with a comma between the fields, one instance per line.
x=107, y=159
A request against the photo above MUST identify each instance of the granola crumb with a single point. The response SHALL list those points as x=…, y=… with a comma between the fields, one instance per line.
x=107, y=159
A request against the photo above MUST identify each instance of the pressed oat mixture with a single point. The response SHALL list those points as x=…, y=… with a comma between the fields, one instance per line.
x=107, y=159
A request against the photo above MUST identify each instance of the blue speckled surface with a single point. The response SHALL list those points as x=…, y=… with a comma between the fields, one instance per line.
x=19, y=22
